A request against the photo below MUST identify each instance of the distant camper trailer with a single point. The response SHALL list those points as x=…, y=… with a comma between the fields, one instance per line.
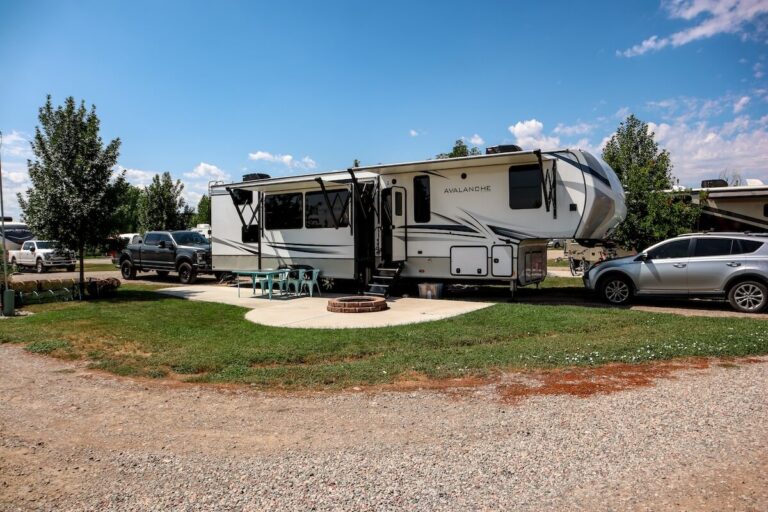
x=483, y=218
x=15, y=234
x=732, y=208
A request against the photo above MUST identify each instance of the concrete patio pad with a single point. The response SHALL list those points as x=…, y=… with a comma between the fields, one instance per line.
x=310, y=312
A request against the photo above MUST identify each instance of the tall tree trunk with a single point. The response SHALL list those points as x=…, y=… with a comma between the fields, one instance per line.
x=81, y=255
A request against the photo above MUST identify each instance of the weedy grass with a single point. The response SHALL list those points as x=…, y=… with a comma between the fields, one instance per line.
x=142, y=333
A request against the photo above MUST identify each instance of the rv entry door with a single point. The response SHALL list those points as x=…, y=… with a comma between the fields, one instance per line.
x=394, y=226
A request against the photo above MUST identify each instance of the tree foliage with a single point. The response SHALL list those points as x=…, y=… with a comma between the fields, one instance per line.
x=127, y=215
x=203, y=215
x=645, y=173
x=74, y=191
x=459, y=149
x=163, y=206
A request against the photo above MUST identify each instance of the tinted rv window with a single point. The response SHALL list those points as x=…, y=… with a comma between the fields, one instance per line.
x=317, y=213
x=421, y=200
x=524, y=187
x=283, y=211
x=241, y=197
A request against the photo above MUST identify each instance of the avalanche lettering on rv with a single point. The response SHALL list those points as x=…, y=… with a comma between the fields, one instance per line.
x=461, y=190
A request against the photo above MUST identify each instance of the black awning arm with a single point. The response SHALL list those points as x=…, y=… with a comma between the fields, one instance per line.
x=548, y=184
x=356, y=193
x=319, y=181
x=240, y=211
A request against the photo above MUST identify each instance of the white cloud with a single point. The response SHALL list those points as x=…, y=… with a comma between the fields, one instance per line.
x=740, y=104
x=286, y=160
x=16, y=145
x=413, y=133
x=701, y=150
x=529, y=134
x=758, y=70
x=209, y=171
x=575, y=129
x=477, y=140
x=137, y=177
x=622, y=113
x=742, y=17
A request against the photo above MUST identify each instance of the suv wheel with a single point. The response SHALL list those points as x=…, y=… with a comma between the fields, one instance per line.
x=187, y=274
x=616, y=290
x=127, y=270
x=748, y=296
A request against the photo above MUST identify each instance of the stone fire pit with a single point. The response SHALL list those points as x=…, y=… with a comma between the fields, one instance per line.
x=357, y=304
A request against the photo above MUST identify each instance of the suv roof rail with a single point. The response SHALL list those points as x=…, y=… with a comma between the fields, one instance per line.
x=724, y=233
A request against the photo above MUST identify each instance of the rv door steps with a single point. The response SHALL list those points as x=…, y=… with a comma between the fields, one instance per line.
x=383, y=279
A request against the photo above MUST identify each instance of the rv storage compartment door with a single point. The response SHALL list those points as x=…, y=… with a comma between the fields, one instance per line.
x=469, y=261
x=501, y=256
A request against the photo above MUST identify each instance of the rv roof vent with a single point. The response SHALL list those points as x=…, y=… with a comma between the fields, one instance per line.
x=504, y=148
x=255, y=176
x=714, y=183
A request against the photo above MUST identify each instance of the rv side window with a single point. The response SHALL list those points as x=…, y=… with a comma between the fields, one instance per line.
x=241, y=197
x=283, y=211
x=524, y=187
x=317, y=213
x=421, y=202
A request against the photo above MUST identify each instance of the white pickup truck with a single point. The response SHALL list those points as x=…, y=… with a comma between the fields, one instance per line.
x=42, y=255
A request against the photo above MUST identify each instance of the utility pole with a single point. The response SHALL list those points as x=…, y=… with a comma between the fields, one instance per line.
x=6, y=307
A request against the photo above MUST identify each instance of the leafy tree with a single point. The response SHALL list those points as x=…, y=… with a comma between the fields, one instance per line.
x=459, y=149
x=203, y=215
x=74, y=191
x=127, y=216
x=162, y=205
x=645, y=173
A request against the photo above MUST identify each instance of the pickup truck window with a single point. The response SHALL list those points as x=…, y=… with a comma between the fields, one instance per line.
x=27, y=246
x=45, y=245
x=165, y=237
x=189, y=237
x=151, y=239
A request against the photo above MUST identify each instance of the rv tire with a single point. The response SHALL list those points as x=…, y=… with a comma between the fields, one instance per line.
x=127, y=270
x=187, y=274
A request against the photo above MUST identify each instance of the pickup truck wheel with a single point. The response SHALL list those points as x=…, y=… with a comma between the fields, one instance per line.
x=162, y=273
x=187, y=274
x=748, y=296
x=39, y=267
x=13, y=262
x=127, y=270
x=71, y=268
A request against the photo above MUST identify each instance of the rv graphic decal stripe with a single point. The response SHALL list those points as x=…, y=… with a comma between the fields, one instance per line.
x=234, y=245
x=583, y=168
x=287, y=244
x=300, y=249
x=446, y=227
x=717, y=212
x=510, y=233
x=477, y=221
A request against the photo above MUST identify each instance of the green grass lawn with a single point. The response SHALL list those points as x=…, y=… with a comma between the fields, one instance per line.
x=558, y=263
x=144, y=333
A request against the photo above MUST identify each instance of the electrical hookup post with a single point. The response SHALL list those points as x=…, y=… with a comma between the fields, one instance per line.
x=8, y=297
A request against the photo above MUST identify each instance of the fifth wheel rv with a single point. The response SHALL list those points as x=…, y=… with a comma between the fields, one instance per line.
x=483, y=218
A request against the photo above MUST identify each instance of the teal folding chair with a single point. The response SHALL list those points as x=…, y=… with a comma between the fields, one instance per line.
x=294, y=280
x=282, y=281
x=310, y=281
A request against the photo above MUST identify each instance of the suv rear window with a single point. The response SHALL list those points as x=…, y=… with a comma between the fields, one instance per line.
x=745, y=246
x=712, y=247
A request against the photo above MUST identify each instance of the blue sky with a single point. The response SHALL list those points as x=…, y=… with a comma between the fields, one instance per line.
x=210, y=90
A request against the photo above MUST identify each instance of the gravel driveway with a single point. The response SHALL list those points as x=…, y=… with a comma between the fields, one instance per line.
x=73, y=439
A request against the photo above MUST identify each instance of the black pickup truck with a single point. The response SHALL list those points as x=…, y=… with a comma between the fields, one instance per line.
x=185, y=252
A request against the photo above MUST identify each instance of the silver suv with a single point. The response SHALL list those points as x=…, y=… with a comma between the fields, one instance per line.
x=732, y=265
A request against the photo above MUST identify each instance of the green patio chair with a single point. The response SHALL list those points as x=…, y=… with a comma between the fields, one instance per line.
x=310, y=281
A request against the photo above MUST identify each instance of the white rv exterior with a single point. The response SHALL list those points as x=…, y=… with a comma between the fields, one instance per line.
x=480, y=218
x=732, y=208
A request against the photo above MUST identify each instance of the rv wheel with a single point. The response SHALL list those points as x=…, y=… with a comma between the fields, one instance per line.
x=616, y=290
x=187, y=274
x=127, y=270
